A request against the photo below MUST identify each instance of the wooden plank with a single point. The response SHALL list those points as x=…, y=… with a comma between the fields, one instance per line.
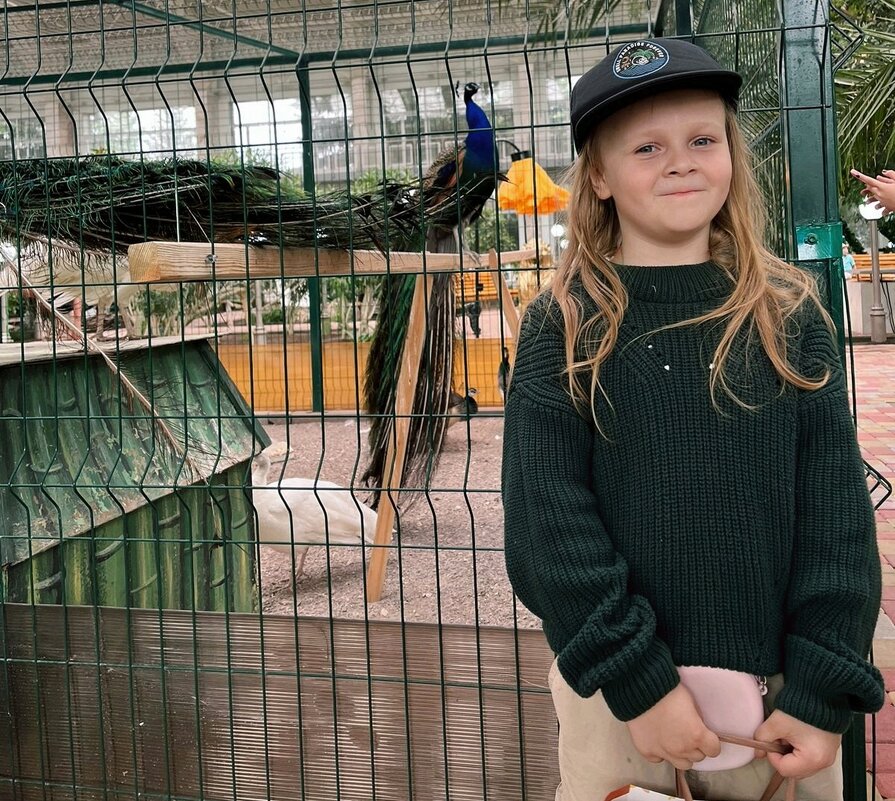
x=406, y=390
x=166, y=262
x=188, y=705
x=885, y=260
x=508, y=307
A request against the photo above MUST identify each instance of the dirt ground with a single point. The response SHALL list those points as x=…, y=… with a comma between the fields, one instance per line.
x=448, y=564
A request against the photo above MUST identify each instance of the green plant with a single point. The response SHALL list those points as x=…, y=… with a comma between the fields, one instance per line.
x=493, y=227
x=169, y=312
x=273, y=316
x=351, y=302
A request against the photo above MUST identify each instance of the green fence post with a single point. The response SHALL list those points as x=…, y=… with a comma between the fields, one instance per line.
x=308, y=182
x=809, y=125
x=683, y=18
x=9, y=767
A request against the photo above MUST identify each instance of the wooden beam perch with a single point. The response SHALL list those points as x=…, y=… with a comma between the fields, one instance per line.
x=167, y=262
x=157, y=262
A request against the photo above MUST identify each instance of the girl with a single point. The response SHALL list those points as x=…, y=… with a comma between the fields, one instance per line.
x=676, y=411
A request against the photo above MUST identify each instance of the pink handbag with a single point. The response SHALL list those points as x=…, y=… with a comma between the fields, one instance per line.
x=729, y=702
x=731, y=705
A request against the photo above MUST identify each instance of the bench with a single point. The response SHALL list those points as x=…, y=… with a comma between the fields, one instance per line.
x=886, y=266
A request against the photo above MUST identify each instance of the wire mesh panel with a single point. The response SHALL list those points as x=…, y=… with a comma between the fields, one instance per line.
x=255, y=345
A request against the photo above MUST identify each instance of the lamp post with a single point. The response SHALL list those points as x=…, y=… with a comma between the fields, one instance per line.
x=557, y=231
x=873, y=212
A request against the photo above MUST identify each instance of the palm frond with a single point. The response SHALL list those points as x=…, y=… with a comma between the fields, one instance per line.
x=865, y=97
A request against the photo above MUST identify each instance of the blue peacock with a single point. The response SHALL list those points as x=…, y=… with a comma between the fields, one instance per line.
x=455, y=189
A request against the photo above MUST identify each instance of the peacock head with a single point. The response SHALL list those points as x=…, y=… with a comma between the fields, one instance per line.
x=469, y=91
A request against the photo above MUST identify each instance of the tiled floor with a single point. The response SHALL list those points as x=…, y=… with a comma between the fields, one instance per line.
x=875, y=379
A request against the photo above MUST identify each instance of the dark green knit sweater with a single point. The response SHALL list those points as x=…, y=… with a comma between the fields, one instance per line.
x=743, y=540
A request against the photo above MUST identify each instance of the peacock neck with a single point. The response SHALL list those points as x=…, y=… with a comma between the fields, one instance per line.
x=475, y=117
x=480, y=144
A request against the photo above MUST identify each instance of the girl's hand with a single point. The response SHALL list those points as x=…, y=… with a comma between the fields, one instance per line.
x=881, y=189
x=673, y=731
x=812, y=749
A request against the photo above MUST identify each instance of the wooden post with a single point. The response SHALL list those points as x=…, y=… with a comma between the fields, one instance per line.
x=414, y=343
x=510, y=312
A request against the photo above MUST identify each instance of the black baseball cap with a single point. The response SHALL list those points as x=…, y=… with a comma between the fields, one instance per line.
x=638, y=69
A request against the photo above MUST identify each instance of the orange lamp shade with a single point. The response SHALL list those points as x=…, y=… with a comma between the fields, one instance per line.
x=529, y=190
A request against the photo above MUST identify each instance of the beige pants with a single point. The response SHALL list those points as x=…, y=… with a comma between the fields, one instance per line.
x=596, y=756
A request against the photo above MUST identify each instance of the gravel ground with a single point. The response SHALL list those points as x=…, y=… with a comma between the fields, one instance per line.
x=462, y=580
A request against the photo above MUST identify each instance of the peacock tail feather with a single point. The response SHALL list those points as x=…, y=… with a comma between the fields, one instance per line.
x=85, y=211
x=428, y=422
x=101, y=203
x=381, y=373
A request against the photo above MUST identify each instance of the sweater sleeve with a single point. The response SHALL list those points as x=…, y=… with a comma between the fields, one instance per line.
x=559, y=558
x=833, y=596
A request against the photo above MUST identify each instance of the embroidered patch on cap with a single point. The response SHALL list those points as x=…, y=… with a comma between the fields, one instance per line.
x=638, y=59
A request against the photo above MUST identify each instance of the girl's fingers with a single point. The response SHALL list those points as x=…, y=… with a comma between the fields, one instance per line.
x=785, y=764
x=885, y=178
x=710, y=745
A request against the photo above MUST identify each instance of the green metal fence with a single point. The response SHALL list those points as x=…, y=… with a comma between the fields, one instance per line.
x=157, y=640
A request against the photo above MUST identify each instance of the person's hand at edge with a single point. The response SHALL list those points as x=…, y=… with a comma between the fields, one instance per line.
x=881, y=189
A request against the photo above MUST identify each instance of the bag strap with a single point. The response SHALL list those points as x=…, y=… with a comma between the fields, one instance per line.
x=683, y=789
x=758, y=745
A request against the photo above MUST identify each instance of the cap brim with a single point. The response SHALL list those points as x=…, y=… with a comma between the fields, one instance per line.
x=726, y=82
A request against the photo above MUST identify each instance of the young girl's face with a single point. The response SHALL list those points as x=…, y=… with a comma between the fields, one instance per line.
x=665, y=161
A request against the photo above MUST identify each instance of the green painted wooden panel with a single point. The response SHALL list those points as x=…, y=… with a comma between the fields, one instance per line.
x=93, y=510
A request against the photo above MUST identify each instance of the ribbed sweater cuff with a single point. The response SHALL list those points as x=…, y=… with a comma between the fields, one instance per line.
x=805, y=704
x=646, y=683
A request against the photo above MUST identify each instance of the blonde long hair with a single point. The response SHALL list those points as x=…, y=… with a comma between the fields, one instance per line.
x=767, y=291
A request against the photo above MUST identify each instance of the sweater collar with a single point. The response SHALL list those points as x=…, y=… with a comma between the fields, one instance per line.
x=679, y=283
